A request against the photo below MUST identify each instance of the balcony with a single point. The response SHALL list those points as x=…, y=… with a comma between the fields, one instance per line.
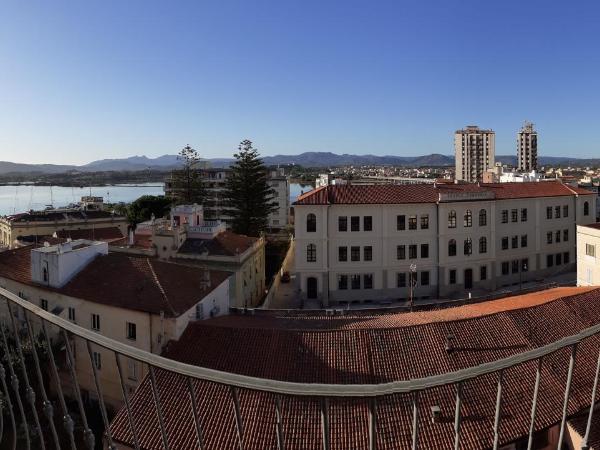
x=39, y=369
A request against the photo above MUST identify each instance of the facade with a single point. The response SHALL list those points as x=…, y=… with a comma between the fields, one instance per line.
x=358, y=243
x=527, y=148
x=215, y=204
x=588, y=255
x=47, y=223
x=138, y=301
x=474, y=150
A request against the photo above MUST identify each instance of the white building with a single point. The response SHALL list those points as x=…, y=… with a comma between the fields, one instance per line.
x=588, y=255
x=357, y=243
x=474, y=150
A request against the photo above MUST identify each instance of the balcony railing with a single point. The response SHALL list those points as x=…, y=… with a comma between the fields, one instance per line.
x=33, y=421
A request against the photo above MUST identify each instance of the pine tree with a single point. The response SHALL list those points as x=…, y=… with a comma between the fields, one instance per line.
x=187, y=181
x=248, y=192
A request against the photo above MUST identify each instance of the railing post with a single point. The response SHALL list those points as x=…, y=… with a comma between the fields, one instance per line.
x=9, y=404
x=325, y=422
x=498, y=410
x=194, y=405
x=536, y=390
x=278, y=418
x=157, y=404
x=415, y=421
x=457, y=418
x=238, y=416
x=567, y=395
x=127, y=404
x=584, y=443
x=373, y=424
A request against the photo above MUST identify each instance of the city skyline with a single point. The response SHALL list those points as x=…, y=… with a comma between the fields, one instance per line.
x=392, y=79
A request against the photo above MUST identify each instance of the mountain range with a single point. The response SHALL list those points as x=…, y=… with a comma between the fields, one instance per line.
x=307, y=159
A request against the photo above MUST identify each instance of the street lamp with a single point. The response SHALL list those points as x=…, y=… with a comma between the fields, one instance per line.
x=412, y=282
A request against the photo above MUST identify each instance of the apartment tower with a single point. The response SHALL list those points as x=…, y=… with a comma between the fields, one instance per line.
x=474, y=151
x=527, y=148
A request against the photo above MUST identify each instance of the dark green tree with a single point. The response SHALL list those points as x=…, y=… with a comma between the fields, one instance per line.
x=187, y=181
x=248, y=192
x=144, y=207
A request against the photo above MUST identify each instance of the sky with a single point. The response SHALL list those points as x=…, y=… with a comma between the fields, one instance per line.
x=81, y=81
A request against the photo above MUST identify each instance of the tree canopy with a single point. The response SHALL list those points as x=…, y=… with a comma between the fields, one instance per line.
x=144, y=207
x=187, y=181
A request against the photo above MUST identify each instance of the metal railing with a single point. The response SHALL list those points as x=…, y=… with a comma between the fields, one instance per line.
x=28, y=429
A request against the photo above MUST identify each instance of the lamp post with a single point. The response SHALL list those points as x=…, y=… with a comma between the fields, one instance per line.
x=412, y=282
x=523, y=269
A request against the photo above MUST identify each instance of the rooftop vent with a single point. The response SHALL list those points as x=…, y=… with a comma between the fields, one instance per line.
x=436, y=414
x=449, y=343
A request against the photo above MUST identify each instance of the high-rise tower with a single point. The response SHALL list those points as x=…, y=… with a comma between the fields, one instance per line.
x=474, y=151
x=527, y=148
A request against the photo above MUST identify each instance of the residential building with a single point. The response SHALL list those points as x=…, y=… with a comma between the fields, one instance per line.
x=216, y=206
x=358, y=243
x=381, y=366
x=527, y=148
x=136, y=300
x=474, y=150
x=500, y=174
x=46, y=223
x=588, y=255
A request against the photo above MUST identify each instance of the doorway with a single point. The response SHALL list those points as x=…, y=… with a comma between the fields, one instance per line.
x=468, y=278
x=311, y=287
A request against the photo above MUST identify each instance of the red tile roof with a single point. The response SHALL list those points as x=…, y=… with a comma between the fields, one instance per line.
x=429, y=193
x=366, y=352
x=226, y=243
x=125, y=281
x=108, y=234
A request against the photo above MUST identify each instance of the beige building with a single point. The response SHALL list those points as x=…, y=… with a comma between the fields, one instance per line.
x=47, y=223
x=474, y=150
x=136, y=300
x=588, y=255
x=527, y=148
x=358, y=243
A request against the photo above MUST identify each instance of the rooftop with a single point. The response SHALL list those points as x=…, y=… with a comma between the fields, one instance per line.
x=58, y=215
x=225, y=243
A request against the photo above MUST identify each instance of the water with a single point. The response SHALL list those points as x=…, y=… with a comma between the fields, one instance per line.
x=15, y=199
x=296, y=189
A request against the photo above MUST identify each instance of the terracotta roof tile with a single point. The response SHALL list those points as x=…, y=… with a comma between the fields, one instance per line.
x=108, y=234
x=226, y=243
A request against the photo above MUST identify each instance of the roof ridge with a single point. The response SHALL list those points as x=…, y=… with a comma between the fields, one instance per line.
x=160, y=288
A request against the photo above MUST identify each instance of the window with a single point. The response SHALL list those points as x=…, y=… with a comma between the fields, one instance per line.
x=401, y=222
x=45, y=274
x=342, y=282
x=44, y=304
x=355, y=281
x=483, y=273
x=311, y=223
x=515, y=266
x=401, y=280
x=514, y=215
x=368, y=281
x=95, y=322
x=425, y=278
x=311, y=253
x=199, y=312
x=354, y=253
x=452, y=219
x=368, y=223
x=131, y=331
x=586, y=209
x=566, y=258
x=557, y=236
x=368, y=253
x=505, y=268
x=523, y=214
x=132, y=371
x=342, y=254
x=505, y=243
x=412, y=222
x=505, y=216
x=343, y=223
x=549, y=260
x=71, y=314
x=566, y=211
x=557, y=212
x=452, y=278
x=451, y=247
x=468, y=219
x=355, y=223
x=468, y=246
x=549, y=212
x=524, y=240
x=590, y=250
x=558, y=259
x=515, y=242
x=524, y=264
x=482, y=245
x=400, y=252
x=97, y=357
x=482, y=217
x=565, y=235
x=549, y=237
x=424, y=250
x=425, y=222
x=412, y=251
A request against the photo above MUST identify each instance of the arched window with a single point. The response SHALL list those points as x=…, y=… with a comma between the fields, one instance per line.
x=311, y=223
x=451, y=247
x=468, y=222
x=311, y=253
x=482, y=217
x=482, y=245
x=586, y=209
x=45, y=271
x=452, y=219
x=468, y=248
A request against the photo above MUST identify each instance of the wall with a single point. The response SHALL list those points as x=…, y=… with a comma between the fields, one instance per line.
x=588, y=266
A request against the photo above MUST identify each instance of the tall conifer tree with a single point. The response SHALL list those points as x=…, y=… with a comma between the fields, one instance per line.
x=187, y=181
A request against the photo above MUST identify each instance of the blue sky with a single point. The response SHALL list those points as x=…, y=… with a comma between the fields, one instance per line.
x=88, y=80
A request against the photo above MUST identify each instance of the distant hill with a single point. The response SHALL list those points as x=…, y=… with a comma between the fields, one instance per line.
x=307, y=159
